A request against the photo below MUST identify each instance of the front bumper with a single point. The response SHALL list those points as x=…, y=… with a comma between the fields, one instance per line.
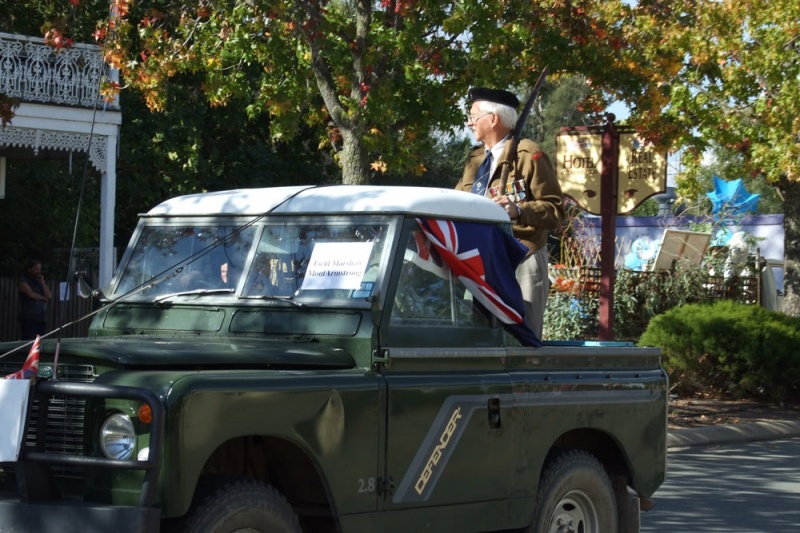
x=39, y=506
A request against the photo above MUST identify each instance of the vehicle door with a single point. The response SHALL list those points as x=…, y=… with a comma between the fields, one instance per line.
x=445, y=426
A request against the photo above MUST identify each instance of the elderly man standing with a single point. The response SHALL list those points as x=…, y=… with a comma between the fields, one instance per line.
x=532, y=196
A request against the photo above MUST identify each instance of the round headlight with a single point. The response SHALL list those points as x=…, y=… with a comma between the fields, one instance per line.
x=117, y=437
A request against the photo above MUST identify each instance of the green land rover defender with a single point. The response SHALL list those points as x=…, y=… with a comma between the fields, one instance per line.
x=324, y=359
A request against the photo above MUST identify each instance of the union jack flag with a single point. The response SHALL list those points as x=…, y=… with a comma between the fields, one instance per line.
x=31, y=367
x=484, y=257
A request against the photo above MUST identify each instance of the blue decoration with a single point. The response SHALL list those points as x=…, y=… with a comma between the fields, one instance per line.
x=643, y=250
x=721, y=237
x=731, y=198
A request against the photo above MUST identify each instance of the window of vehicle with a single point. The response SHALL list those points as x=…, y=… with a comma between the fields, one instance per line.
x=334, y=259
x=170, y=259
x=314, y=262
x=428, y=295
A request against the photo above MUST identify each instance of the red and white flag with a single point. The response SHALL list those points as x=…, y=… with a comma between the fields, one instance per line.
x=31, y=367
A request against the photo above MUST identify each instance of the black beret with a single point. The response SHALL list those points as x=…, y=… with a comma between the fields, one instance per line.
x=497, y=96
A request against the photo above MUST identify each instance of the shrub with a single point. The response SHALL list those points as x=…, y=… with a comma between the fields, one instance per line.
x=640, y=296
x=567, y=316
x=728, y=348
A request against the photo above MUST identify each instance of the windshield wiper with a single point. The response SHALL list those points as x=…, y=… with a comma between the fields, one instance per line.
x=196, y=292
x=287, y=299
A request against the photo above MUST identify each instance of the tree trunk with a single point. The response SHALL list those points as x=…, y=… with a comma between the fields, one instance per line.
x=354, y=160
x=791, y=247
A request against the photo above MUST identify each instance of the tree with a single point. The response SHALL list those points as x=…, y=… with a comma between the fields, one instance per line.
x=192, y=147
x=560, y=105
x=727, y=73
x=374, y=79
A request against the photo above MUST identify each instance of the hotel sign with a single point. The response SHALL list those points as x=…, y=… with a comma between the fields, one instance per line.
x=579, y=166
x=642, y=170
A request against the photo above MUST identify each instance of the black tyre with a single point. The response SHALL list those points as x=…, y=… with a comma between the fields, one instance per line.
x=237, y=505
x=575, y=496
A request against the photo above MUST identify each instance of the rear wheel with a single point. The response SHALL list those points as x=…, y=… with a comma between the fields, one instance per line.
x=575, y=496
x=237, y=505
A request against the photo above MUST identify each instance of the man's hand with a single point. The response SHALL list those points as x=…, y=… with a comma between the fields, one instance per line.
x=510, y=207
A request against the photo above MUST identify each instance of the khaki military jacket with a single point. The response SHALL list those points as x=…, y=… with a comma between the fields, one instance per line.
x=542, y=208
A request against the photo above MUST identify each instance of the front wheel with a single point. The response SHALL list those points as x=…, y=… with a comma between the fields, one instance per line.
x=237, y=505
x=575, y=496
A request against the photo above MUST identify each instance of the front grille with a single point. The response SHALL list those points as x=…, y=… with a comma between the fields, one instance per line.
x=65, y=426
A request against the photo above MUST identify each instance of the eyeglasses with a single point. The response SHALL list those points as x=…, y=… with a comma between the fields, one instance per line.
x=473, y=119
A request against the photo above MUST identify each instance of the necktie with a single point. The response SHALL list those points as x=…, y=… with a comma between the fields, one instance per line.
x=482, y=177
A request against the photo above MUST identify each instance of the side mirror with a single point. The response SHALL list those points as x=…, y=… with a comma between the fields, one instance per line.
x=84, y=288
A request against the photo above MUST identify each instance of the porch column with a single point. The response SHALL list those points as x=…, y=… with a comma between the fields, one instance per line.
x=108, y=204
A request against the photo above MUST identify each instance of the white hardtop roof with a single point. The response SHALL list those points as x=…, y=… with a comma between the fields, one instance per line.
x=333, y=199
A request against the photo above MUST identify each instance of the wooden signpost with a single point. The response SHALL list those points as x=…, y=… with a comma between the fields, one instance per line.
x=608, y=171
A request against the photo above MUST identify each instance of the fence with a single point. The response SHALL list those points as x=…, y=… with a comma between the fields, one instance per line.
x=741, y=288
x=32, y=71
x=58, y=312
x=638, y=297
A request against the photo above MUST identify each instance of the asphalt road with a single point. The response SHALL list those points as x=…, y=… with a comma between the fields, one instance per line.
x=751, y=487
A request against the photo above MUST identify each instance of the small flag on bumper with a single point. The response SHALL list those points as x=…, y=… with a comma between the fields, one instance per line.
x=31, y=367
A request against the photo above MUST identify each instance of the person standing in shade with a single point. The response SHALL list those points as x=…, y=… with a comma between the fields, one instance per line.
x=33, y=297
x=532, y=197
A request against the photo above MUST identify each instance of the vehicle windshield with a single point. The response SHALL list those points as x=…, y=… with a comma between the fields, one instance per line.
x=270, y=261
